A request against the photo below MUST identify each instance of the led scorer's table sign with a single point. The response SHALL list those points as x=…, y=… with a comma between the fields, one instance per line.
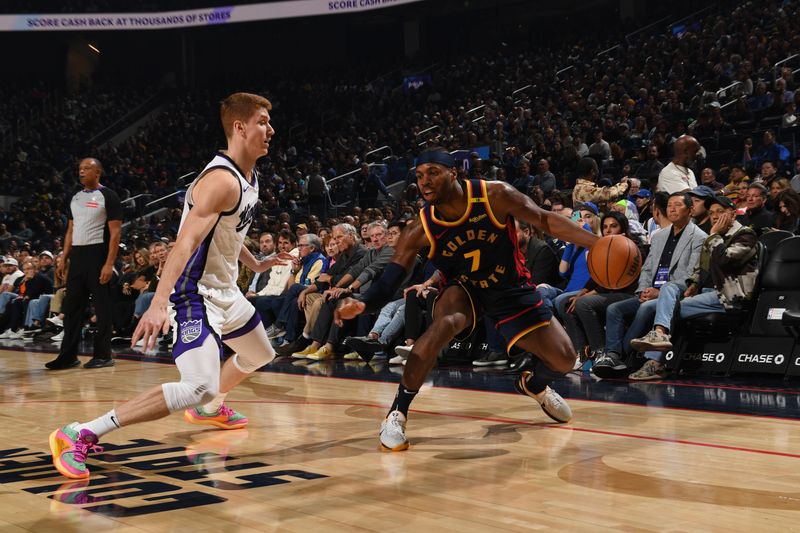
x=189, y=18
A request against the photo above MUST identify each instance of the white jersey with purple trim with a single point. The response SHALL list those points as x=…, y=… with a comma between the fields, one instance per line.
x=215, y=263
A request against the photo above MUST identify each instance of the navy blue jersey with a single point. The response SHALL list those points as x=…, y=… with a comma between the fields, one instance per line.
x=477, y=249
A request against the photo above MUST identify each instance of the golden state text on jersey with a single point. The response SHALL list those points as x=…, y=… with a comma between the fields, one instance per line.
x=477, y=249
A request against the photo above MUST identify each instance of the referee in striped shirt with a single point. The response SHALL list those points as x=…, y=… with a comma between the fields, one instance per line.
x=91, y=244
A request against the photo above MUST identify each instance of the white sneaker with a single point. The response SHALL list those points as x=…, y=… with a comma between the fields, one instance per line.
x=6, y=334
x=393, y=432
x=15, y=335
x=403, y=351
x=58, y=337
x=56, y=321
x=275, y=333
x=396, y=360
x=555, y=406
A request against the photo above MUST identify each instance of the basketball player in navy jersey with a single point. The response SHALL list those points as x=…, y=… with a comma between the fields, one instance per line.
x=199, y=278
x=469, y=227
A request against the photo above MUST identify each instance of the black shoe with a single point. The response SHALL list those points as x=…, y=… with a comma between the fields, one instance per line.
x=61, y=364
x=99, y=362
x=297, y=345
x=520, y=363
x=492, y=359
x=609, y=365
x=364, y=345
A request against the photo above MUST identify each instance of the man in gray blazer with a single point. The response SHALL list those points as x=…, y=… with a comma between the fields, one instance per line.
x=674, y=252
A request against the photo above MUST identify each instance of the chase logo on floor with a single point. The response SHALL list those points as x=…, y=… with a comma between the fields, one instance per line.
x=115, y=493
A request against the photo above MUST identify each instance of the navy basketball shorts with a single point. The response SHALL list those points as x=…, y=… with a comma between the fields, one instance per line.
x=515, y=311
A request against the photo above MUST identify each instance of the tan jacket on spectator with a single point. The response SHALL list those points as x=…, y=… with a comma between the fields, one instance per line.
x=588, y=191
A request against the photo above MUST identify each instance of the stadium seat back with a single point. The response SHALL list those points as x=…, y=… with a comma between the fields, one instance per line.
x=780, y=289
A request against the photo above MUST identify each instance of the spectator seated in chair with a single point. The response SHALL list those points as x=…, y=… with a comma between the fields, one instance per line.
x=722, y=281
x=674, y=252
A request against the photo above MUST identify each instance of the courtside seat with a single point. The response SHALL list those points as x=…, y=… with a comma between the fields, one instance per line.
x=705, y=342
x=729, y=323
x=769, y=345
x=771, y=239
x=780, y=289
x=791, y=321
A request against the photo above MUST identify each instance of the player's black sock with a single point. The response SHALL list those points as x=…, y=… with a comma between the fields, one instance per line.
x=541, y=378
x=403, y=400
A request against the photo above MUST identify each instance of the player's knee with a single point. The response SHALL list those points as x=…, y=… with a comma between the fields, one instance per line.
x=190, y=393
x=453, y=324
x=251, y=360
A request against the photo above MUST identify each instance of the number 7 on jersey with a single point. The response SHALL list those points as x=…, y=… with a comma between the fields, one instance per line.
x=476, y=259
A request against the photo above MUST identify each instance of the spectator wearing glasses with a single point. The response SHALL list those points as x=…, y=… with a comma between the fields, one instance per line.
x=635, y=187
x=280, y=310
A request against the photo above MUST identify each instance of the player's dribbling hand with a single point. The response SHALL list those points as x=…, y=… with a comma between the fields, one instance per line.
x=154, y=321
x=349, y=308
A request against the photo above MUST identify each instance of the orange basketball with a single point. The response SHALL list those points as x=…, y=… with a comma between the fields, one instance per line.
x=614, y=261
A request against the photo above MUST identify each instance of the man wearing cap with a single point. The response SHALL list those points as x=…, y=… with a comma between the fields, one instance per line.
x=642, y=199
x=46, y=265
x=723, y=280
x=11, y=274
x=91, y=244
x=701, y=196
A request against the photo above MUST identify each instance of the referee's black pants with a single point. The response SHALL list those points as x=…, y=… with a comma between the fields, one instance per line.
x=83, y=279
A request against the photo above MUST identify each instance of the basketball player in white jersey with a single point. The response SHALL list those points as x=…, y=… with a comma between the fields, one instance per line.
x=202, y=269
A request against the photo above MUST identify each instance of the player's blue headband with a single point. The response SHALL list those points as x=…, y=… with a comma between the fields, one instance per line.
x=442, y=158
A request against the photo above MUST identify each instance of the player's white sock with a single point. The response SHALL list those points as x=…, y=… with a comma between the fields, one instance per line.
x=213, y=406
x=102, y=424
x=306, y=335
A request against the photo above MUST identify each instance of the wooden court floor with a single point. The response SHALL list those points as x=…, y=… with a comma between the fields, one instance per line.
x=309, y=462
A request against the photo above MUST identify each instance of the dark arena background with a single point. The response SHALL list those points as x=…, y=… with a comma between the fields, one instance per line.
x=672, y=124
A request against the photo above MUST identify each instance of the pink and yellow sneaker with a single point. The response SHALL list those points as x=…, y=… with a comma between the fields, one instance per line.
x=70, y=448
x=224, y=418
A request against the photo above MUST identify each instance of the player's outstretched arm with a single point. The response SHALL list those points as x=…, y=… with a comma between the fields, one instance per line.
x=506, y=200
x=248, y=259
x=412, y=240
x=216, y=193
